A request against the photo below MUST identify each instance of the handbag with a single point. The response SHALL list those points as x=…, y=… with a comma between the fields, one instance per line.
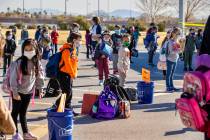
x=161, y=65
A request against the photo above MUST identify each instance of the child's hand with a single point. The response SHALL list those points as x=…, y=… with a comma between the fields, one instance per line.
x=103, y=56
x=16, y=97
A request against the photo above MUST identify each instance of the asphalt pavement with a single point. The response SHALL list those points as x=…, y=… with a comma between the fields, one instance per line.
x=157, y=121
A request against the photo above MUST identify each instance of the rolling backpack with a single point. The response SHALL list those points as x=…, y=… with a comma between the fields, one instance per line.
x=52, y=67
x=193, y=106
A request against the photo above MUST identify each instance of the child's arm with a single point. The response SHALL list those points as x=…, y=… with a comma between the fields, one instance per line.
x=14, y=79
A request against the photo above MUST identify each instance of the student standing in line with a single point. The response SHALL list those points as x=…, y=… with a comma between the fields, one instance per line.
x=54, y=37
x=28, y=70
x=8, y=51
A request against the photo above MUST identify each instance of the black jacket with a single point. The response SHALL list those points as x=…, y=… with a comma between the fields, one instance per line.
x=10, y=47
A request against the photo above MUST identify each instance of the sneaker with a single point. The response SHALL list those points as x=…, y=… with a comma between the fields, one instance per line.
x=190, y=69
x=175, y=89
x=17, y=136
x=29, y=136
x=101, y=83
x=169, y=90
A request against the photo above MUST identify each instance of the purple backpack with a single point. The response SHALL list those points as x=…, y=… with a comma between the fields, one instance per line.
x=106, y=106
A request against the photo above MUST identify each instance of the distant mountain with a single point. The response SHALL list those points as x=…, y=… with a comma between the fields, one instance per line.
x=125, y=13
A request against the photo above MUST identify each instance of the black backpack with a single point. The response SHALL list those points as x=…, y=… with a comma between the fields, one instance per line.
x=112, y=80
x=132, y=93
x=53, y=88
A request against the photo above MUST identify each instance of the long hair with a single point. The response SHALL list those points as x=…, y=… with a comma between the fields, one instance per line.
x=24, y=60
x=205, y=46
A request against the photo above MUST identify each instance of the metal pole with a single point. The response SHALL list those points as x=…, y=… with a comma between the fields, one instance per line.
x=182, y=16
x=109, y=9
x=65, y=13
x=23, y=6
x=41, y=6
x=98, y=7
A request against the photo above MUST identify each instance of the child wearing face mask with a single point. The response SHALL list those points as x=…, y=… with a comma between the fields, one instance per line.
x=8, y=51
x=117, y=41
x=68, y=68
x=26, y=76
x=124, y=59
x=103, y=59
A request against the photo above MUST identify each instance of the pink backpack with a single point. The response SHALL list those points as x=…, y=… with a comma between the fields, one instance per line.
x=191, y=114
x=196, y=95
x=6, y=81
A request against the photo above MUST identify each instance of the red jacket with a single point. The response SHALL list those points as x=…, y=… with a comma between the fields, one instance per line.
x=54, y=36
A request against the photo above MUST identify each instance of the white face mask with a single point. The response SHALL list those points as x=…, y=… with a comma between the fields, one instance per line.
x=29, y=54
x=9, y=37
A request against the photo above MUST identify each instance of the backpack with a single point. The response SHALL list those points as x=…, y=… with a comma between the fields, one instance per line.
x=53, y=88
x=193, y=104
x=112, y=80
x=191, y=114
x=124, y=109
x=132, y=93
x=6, y=88
x=52, y=67
x=106, y=107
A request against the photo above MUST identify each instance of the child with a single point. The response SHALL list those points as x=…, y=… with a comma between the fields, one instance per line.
x=44, y=45
x=24, y=34
x=54, y=37
x=31, y=77
x=117, y=41
x=68, y=72
x=9, y=50
x=136, y=35
x=88, y=43
x=124, y=59
x=102, y=59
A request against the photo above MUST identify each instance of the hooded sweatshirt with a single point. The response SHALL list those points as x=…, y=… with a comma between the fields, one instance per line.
x=69, y=60
x=27, y=81
x=124, y=59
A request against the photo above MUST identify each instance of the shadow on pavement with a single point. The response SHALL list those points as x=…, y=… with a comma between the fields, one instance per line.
x=85, y=86
x=178, y=132
x=86, y=76
x=36, y=119
x=142, y=62
x=154, y=107
x=86, y=120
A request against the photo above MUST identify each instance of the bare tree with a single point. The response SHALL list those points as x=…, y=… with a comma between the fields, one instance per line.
x=153, y=8
x=192, y=7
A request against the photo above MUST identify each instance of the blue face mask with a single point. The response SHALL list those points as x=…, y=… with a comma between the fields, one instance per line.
x=117, y=32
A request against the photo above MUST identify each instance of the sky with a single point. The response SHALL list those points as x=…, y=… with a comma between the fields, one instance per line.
x=73, y=6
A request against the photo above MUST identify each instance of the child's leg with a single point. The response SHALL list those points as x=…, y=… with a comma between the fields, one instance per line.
x=16, y=106
x=100, y=68
x=25, y=100
x=115, y=61
x=5, y=64
x=56, y=48
x=106, y=67
x=122, y=78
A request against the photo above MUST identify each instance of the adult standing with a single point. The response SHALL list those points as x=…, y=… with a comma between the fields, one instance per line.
x=172, y=55
x=189, y=50
x=96, y=31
